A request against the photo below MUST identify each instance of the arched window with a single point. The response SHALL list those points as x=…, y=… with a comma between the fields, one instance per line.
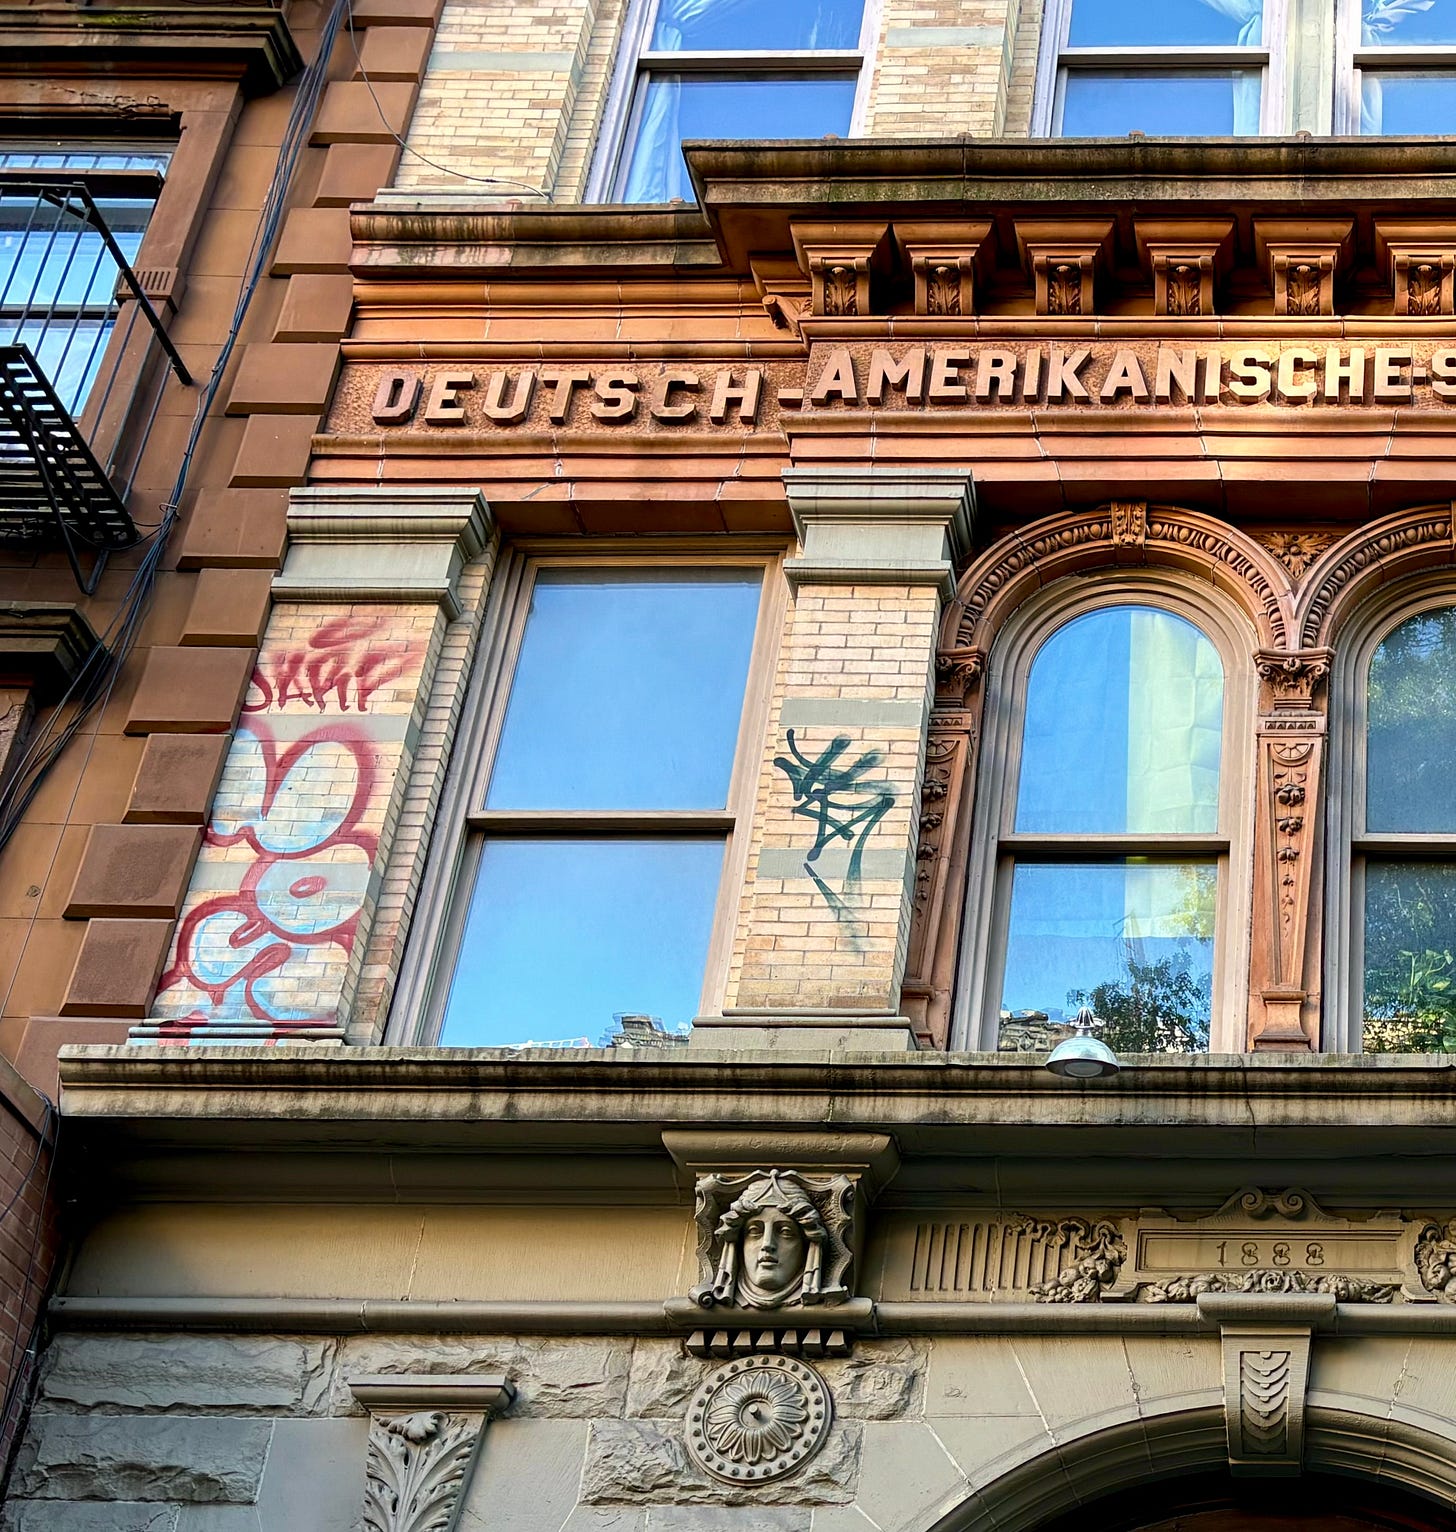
x=1403, y=868
x=1104, y=828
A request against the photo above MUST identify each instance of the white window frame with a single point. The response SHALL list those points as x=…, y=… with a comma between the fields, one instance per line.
x=417, y=1012
x=1343, y=1011
x=1055, y=59
x=1353, y=57
x=636, y=62
x=996, y=846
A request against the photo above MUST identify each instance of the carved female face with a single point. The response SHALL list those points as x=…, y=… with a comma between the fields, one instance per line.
x=773, y=1248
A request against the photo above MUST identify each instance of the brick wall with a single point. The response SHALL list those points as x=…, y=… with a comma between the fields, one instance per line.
x=518, y=91
x=28, y=1239
x=820, y=931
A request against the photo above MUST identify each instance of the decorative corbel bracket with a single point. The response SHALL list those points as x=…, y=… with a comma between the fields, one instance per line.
x=1186, y=258
x=424, y=1433
x=1064, y=258
x=841, y=259
x=780, y=1233
x=944, y=259
x=1303, y=258
x=1266, y=1345
x=1421, y=261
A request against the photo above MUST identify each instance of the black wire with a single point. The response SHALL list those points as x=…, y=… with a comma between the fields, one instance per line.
x=94, y=683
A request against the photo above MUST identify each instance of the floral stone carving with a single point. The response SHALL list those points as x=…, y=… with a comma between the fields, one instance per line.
x=758, y=1419
x=1436, y=1260
x=416, y=1470
x=1345, y=1289
x=1098, y=1252
x=774, y=1239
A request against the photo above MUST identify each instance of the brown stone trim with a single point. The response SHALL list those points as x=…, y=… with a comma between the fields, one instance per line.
x=134, y=870
x=117, y=968
x=253, y=42
x=189, y=691
x=176, y=777
x=44, y=642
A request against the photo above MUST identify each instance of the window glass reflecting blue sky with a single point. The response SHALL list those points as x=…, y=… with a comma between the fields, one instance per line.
x=628, y=690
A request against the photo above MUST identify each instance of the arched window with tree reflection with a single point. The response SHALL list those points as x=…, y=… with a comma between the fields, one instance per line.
x=1111, y=846
x=1405, y=851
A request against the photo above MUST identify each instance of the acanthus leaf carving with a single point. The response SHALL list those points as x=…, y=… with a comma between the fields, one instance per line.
x=1064, y=288
x=1185, y=290
x=416, y=1470
x=1296, y=550
x=1129, y=523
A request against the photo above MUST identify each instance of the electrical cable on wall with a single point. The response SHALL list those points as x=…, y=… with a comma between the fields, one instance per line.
x=92, y=685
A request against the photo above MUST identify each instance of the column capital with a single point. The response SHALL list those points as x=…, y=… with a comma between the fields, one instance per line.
x=396, y=544
x=880, y=525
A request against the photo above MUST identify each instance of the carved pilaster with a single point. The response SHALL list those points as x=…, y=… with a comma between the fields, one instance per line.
x=424, y=1433
x=943, y=259
x=1421, y=261
x=1303, y=259
x=840, y=260
x=940, y=853
x=1063, y=258
x=1291, y=753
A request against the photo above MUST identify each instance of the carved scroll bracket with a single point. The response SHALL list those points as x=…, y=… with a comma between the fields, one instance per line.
x=841, y=259
x=1421, y=261
x=1186, y=258
x=424, y=1433
x=944, y=260
x=1303, y=257
x=1064, y=257
x=1265, y=1379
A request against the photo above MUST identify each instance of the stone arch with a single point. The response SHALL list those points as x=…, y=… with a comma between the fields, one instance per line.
x=1121, y=534
x=1416, y=1453
x=1372, y=555
x=1128, y=536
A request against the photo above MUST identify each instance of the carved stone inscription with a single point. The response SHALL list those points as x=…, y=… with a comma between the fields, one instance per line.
x=454, y=397
x=1258, y=1242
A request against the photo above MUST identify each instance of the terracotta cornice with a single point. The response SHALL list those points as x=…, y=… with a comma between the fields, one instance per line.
x=248, y=40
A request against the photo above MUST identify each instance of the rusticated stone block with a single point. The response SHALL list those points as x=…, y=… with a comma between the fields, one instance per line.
x=175, y=781
x=239, y=1374
x=565, y=1379
x=134, y=870
x=315, y=239
x=189, y=690
x=229, y=608
x=881, y=1381
x=117, y=968
x=284, y=379
x=108, y=1516
x=244, y=528
x=192, y=1459
x=642, y=1462
x=274, y=451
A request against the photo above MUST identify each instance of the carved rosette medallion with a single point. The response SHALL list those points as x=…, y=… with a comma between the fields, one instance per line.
x=416, y=1470
x=758, y=1419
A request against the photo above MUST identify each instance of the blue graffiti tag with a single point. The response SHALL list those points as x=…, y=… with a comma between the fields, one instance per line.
x=842, y=805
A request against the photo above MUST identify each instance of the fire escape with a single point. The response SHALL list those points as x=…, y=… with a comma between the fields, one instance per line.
x=84, y=359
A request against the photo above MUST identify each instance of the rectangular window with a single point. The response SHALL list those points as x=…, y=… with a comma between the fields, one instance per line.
x=61, y=214
x=1399, y=74
x=1177, y=68
x=727, y=69
x=598, y=842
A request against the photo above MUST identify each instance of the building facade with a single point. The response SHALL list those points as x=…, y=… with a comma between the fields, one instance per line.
x=666, y=684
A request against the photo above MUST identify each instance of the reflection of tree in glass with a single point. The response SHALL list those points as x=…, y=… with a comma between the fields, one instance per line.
x=1410, y=958
x=1158, y=1007
x=1412, y=726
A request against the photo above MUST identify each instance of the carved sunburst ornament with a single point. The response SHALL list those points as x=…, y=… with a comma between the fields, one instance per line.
x=758, y=1419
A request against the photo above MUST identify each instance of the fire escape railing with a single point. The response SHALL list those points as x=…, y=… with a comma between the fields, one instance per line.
x=84, y=358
